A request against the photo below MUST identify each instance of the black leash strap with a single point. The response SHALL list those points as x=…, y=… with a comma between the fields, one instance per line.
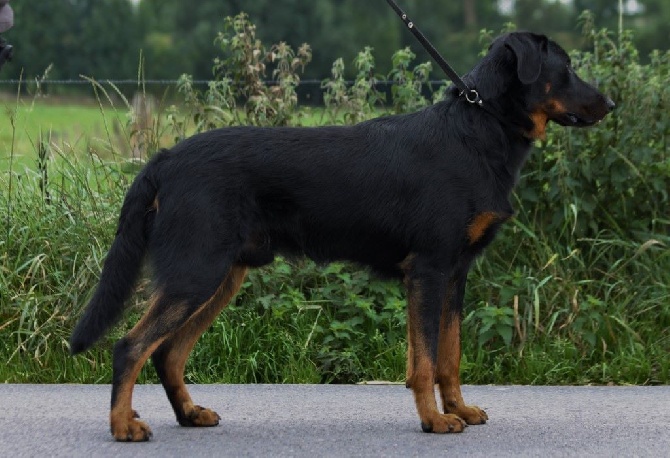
x=471, y=95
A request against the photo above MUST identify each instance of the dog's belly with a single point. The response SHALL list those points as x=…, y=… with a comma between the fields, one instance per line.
x=324, y=244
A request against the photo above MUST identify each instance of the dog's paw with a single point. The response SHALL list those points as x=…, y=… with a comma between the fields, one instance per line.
x=131, y=431
x=444, y=423
x=198, y=416
x=472, y=415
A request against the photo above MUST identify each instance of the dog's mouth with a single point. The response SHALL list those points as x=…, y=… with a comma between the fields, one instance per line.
x=570, y=119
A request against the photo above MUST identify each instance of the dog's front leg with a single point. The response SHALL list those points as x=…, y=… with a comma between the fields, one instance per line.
x=449, y=355
x=426, y=290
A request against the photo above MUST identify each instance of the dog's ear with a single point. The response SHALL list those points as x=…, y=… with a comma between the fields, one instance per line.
x=529, y=49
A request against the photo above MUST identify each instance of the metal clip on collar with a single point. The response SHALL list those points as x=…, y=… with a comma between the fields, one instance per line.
x=472, y=96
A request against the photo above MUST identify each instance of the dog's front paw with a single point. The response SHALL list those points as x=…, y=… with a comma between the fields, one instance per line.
x=443, y=423
x=472, y=415
x=198, y=416
x=131, y=431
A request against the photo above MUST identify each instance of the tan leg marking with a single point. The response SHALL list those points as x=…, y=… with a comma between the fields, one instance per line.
x=421, y=372
x=181, y=343
x=448, y=378
x=123, y=420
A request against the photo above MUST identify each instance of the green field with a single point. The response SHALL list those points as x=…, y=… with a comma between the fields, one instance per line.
x=68, y=126
x=77, y=127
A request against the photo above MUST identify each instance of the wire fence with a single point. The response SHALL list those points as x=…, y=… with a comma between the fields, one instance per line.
x=309, y=91
x=117, y=82
x=163, y=82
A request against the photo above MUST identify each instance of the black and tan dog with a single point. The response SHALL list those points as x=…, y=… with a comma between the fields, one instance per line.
x=414, y=196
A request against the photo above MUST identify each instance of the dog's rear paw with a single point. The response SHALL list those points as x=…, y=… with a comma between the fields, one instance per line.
x=444, y=423
x=198, y=416
x=131, y=431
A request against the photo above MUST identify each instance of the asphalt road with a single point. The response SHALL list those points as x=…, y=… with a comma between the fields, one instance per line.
x=338, y=420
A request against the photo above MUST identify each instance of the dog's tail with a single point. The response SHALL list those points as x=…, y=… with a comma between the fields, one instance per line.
x=123, y=263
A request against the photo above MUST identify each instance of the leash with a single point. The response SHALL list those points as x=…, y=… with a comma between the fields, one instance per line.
x=471, y=95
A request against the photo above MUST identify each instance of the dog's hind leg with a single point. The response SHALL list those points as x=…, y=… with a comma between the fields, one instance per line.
x=426, y=290
x=173, y=305
x=170, y=357
x=449, y=355
x=130, y=354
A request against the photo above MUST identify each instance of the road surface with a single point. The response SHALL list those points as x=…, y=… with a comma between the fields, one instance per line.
x=339, y=421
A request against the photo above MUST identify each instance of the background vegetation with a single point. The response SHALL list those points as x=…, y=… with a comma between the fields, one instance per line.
x=574, y=290
x=104, y=38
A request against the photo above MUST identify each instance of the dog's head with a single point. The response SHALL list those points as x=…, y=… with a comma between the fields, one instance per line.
x=529, y=78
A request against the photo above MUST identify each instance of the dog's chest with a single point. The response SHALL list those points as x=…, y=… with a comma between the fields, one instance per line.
x=482, y=228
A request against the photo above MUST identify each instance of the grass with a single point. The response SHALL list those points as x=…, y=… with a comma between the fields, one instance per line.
x=593, y=312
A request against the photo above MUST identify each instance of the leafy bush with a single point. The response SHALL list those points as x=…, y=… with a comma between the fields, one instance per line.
x=586, y=260
x=357, y=102
x=241, y=75
x=613, y=178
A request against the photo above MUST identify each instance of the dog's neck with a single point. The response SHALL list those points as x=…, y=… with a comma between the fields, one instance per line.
x=496, y=81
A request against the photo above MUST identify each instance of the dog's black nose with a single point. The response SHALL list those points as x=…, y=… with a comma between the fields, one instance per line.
x=610, y=104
